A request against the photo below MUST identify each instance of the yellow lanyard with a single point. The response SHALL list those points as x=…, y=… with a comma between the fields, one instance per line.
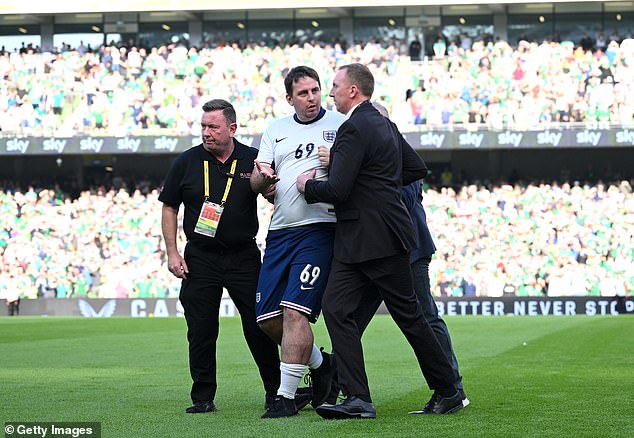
x=229, y=181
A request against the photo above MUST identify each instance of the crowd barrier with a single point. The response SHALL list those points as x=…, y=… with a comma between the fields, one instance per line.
x=458, y=138
x=488, y=306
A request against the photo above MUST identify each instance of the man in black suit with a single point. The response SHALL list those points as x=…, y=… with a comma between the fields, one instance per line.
x=419, y=258
x=369, y=163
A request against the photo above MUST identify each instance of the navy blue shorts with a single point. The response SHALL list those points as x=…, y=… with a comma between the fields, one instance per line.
x=294, y=271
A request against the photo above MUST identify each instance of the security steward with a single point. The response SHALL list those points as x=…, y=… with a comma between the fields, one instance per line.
x=220, y=222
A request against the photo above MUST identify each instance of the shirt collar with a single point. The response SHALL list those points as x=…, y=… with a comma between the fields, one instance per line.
x=322, y=113
x=237, y=154
x=349, y=113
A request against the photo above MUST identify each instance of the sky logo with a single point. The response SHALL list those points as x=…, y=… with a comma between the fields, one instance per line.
x=549, y=138
x=431, y=139
x=54, y=144
x=165, y=144
x=470, y=139
x=128, y=144
x=588, y=137
x=17, y=145
x=91, y=144
x=510, y=138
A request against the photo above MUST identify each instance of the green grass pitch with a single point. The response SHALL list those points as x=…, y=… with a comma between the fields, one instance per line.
x=573, y=377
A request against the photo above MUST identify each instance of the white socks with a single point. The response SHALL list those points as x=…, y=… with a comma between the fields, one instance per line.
x=316, y=358
x=292, y=374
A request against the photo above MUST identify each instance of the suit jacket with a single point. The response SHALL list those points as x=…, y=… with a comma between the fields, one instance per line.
x=411, y=195
x=369, y=162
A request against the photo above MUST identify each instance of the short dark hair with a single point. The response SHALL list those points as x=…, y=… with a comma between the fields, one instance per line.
x=361, y=76
x=220, y=104
x=296, y=73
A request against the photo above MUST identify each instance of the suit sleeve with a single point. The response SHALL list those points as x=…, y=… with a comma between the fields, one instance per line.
x=411, y=195
x=346, y=157
x=414, y=167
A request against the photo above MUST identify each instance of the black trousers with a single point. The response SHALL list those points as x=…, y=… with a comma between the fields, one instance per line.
x=347, y=288
x=422, y=288
x=13, y=307
x=201, y=294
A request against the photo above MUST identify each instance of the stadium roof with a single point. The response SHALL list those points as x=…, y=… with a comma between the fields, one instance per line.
x=73, y=6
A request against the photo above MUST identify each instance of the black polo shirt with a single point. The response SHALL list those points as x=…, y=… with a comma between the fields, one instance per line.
x=185, y=185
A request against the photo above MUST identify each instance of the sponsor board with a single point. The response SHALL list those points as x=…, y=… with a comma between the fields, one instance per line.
x=471, y=139
x=557, y=306
x=17, y=146
x=486, y=306
x=165, y=144
x=91, y=145
x=588, y=137
x=456, y=138
x=430, y=139
x=128, y=144
x=509, y=138
x=547, y=138
x=55, y=145
x=625, y=137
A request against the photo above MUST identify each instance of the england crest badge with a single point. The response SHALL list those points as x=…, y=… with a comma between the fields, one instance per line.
x=330, y=135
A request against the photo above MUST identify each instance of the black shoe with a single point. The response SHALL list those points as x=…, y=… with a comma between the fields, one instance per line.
x=444, y=405
x=352, y=407
x=322, y=379
x=201, y=408
x=303, y=396
x=282, y=407
x=429, y=406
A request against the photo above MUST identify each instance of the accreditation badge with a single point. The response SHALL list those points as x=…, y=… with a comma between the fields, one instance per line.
x=208, y=219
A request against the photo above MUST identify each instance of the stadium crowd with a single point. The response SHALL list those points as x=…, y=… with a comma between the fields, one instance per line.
x=525, y=240
x=121, y=90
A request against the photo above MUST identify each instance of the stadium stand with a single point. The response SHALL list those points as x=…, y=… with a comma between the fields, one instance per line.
x=524, y=240
x=120, y=90
x=97, y=233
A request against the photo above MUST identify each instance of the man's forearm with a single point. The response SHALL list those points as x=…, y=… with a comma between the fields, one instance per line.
x=169, y=217
x=259, y=183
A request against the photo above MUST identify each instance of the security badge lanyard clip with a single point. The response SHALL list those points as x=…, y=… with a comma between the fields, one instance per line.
x=211, y=212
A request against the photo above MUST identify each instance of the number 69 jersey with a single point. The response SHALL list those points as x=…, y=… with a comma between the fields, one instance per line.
x=292, y=146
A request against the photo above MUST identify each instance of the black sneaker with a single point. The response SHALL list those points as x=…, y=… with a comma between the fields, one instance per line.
x=201, y=408
x=322, y=379
x=282, y=407
x=303, y=396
